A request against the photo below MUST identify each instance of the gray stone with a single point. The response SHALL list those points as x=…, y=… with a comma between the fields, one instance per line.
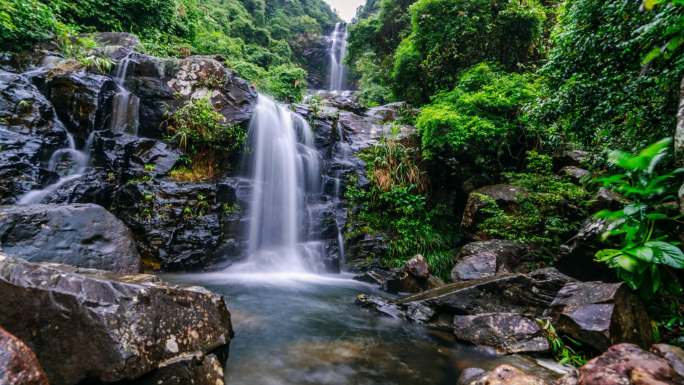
x=83, y=235
x=574, y=173
x=97, y=326
x=485, y=259
x=601, y=314
x=505, y=332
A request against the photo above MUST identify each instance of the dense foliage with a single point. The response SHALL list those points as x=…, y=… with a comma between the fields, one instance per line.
x=598, y=92
x=253, y=35
x=480, y=121
x=397, y=205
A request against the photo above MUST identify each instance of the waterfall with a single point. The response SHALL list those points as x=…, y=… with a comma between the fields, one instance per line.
x=285, y=169
x=338, y=49
x=68, y=162
x=126, y=105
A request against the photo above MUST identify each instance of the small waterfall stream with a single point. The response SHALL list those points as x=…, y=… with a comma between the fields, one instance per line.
x=338, y=50
x=126, y=104
x=70, y=162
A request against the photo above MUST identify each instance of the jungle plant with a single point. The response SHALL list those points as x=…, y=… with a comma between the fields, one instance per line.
x=563, y=352
x=648, y=253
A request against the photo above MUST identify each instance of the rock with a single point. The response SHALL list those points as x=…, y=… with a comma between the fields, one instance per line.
x=505, y=196
x=673, y=355
x=82, y=235
x=418, y=267
x=601, y=314
x=574, y=173
x=182, y=225
x=164, y=85
x=374, y=276
x=488, y=258
x=606, y=199
x=528, y=295
x=82, y=100
x=625, y=364
x=312, y=50
x=379, y=305
x=470, y=375
x=389, y=112
x=505, y=332
x=96, y=326
x=524, y=294
x=508, y=375
x=121, y=39
x=577, y=158
x=577, y=256
x=29, y=133
x=132, y=156
x=18, y=363
x=195, y=370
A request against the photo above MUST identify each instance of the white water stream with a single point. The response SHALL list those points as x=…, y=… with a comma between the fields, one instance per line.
x=338, y=50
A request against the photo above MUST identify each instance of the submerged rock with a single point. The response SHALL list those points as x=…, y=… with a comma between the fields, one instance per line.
x=82, y=235
x=18, y=363
x=601, y=314
x=488, y=258
x=93, y=326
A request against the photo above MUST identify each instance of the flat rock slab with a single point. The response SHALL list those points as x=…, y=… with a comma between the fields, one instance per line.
x=505, y=332
x=82, y=235
x=91, y=325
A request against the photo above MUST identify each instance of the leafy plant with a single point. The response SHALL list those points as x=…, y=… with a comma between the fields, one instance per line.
x=648, y=252
x=564, y=354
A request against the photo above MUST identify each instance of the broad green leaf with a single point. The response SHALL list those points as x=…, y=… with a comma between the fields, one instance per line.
x=643, y=253
x=626, y=262
x=606, y=255
x=667, y=253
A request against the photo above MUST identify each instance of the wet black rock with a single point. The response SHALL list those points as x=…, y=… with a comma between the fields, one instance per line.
x=82, y=235
x=91, y=326
x=29, y=133
x=132, y=156
x=312, y=50
x=18, y=363
x=414, y=277
x=601, y=314
x=81, y=99
x=577, y=256
x=193, y=369
x=488, y=258
x=505, y=332
x=163, y=85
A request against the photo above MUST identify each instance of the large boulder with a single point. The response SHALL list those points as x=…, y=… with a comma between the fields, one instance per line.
x=163, y=85
x=91, y=326
x=505, y=332
x=625, y=364
x=131, y=156
x=82, y=235
x=414, y=277
x=82, y=100
x=528, y=295
x=504, y=196
x=488, y=258
x=18, y=363
x=601, y=314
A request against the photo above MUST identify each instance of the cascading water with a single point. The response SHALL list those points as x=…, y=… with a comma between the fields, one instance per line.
x=68, y=162
x=285, y=169
x=126, y=104
x=338, y=50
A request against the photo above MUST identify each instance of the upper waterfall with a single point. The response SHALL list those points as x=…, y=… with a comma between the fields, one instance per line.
x=338, y=50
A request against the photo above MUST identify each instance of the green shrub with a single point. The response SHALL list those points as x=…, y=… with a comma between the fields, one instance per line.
x=481, y=120
x=197, y=127
x=25, y=22
x=648, y=250
x=284, y=82
x=450, y=36
x=396, y=204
